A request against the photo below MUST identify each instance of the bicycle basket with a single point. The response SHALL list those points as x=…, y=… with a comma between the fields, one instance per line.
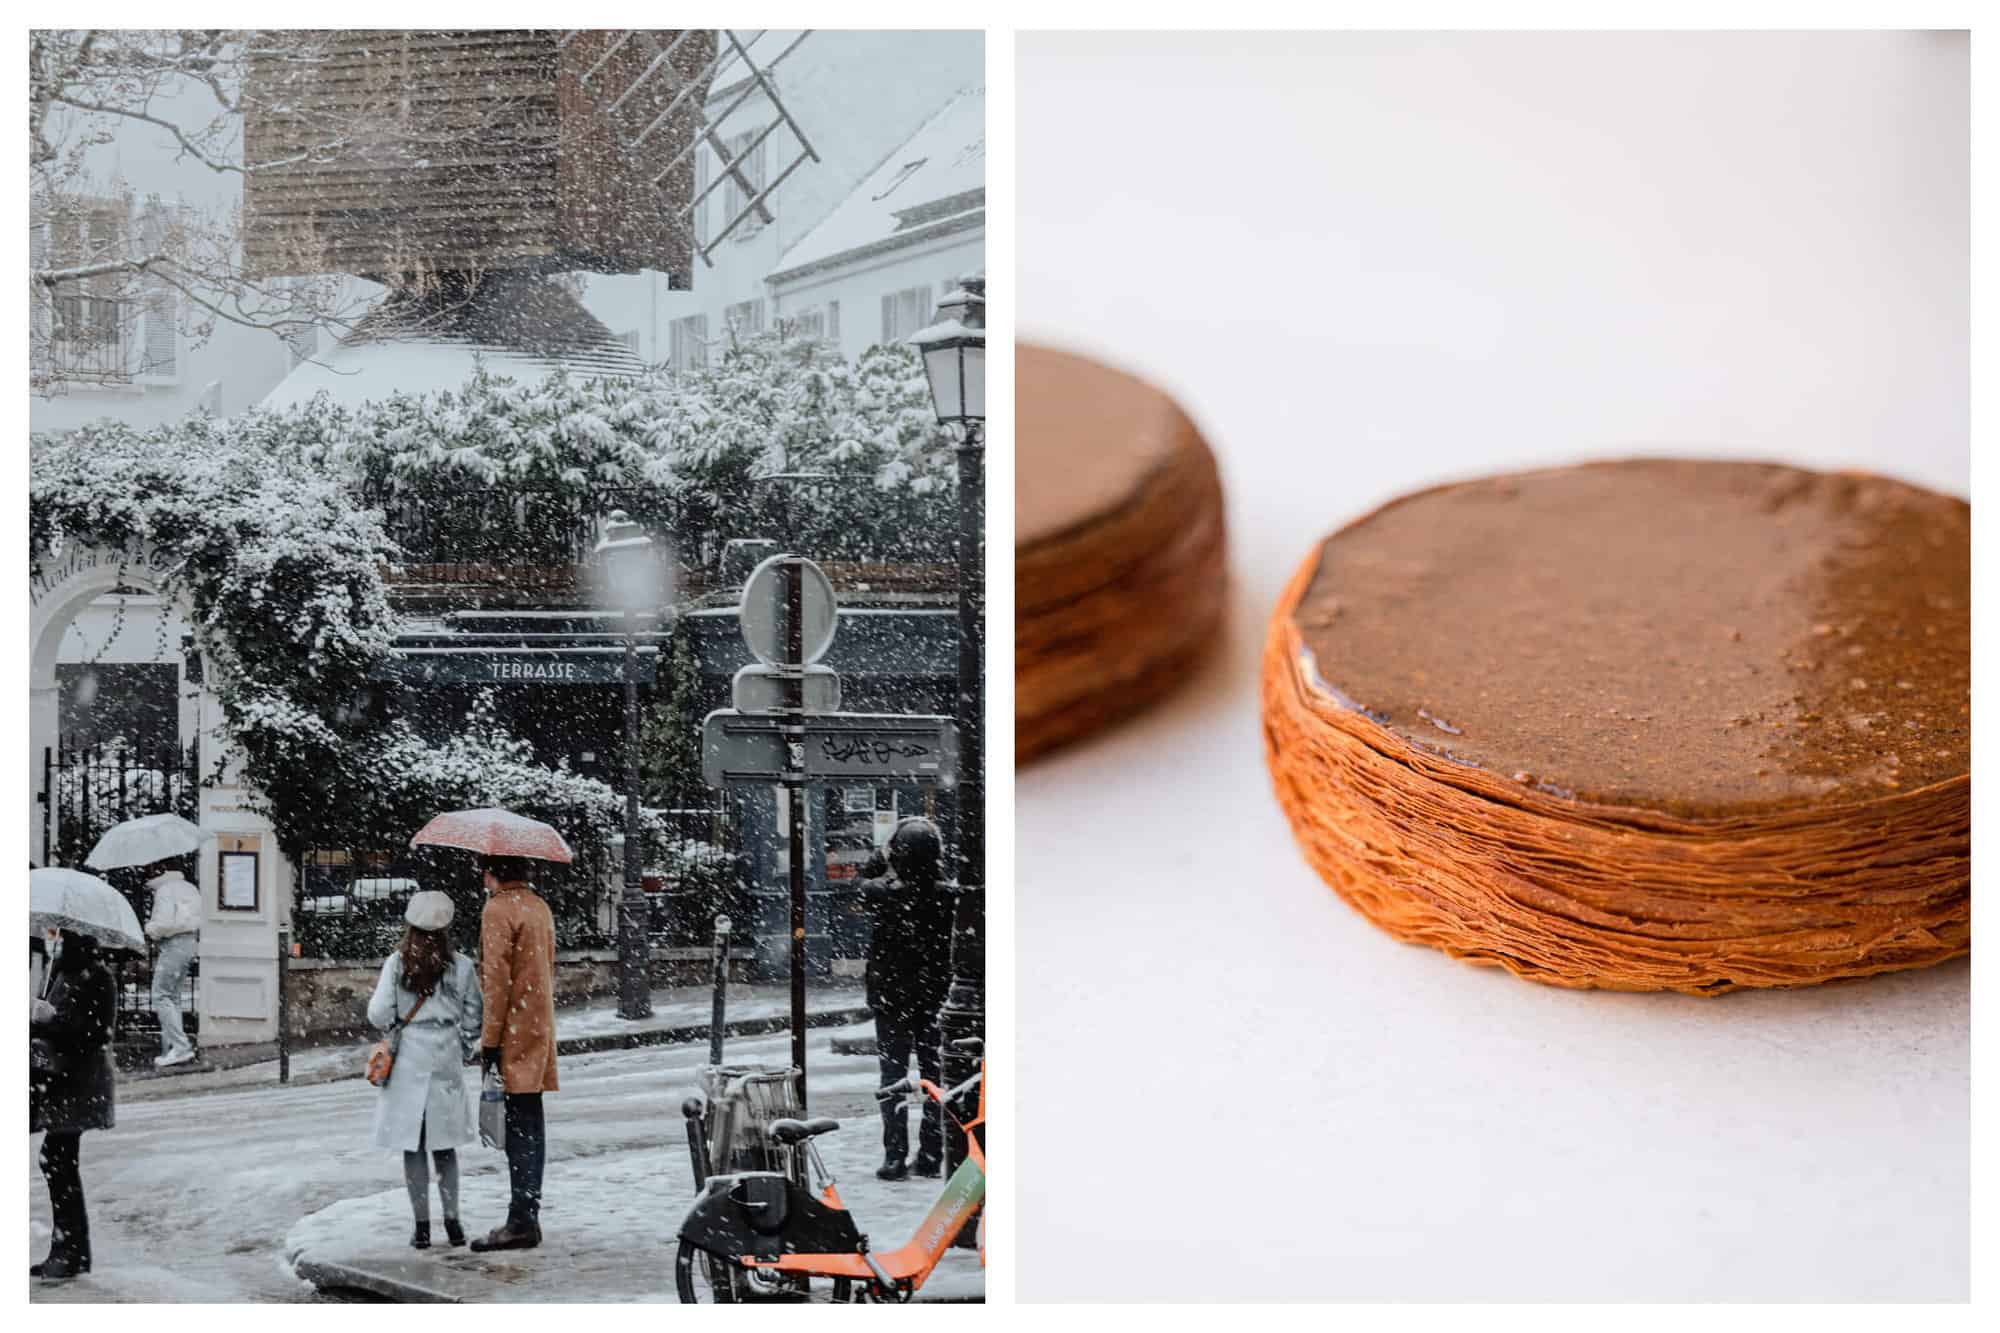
x=743, y=1101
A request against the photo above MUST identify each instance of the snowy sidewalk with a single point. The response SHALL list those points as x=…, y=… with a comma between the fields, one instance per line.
x=680, y=1014
x=610, y=1218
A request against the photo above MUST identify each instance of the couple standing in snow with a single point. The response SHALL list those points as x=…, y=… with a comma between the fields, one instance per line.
x=444, y=1011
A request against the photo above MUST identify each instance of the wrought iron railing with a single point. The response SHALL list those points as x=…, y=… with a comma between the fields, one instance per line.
x=350, y=902
x=88, y=788
x=90, y=338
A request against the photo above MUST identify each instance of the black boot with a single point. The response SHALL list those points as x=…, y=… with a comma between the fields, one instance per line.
x=66, y=1259
x=509, y=1237
x=420, y=1239
x=928, y=1166
x=454, y=1234
x=893, y=1169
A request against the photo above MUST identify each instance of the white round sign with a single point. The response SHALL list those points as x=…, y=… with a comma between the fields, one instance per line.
x=764, y=613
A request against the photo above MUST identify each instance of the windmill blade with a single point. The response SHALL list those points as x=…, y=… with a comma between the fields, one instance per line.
x=659, y=78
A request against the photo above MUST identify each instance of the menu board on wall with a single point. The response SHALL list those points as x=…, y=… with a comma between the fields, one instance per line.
x=236, y=872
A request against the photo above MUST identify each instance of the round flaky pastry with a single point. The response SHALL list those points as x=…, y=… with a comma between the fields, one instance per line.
x=1647, y=725
x=1118, y=547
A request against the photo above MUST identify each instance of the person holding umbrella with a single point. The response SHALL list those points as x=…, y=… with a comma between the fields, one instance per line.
x=517, y=956
x=173, y=924
x=70, y=1083
x=517, y=973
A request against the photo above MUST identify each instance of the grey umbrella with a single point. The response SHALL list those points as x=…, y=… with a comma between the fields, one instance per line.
x=143, y=841
x=60, y=899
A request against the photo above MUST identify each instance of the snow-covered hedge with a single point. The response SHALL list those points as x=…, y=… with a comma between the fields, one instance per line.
x=259, y=521
x=696, y=439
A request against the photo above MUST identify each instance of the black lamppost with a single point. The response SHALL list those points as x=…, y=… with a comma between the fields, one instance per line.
x=954, y=351
x=630, y=571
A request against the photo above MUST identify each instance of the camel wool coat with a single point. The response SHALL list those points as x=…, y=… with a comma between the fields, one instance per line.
x=517, y=973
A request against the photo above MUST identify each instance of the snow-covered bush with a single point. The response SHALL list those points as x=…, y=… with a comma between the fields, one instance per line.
x=271, y=526
x=690, y=445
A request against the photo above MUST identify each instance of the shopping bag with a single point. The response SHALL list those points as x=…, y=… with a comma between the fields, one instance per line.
x=493, y=1110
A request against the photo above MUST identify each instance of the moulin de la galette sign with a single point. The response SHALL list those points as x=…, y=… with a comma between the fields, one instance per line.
x=519, y=666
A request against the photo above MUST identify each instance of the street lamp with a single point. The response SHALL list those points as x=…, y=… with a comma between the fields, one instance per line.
x=954, y=350
x=631, y=574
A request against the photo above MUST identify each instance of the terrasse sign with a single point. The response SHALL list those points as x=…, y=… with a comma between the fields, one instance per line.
x=528, y=666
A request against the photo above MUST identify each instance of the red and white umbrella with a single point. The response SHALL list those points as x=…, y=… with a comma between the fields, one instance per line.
x=495, y=833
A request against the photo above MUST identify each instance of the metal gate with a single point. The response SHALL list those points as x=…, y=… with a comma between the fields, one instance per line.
x=88, y=788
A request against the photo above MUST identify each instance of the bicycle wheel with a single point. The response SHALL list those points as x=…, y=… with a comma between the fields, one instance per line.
x=703, y=1278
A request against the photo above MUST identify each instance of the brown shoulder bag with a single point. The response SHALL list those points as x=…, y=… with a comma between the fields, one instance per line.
x=382, y=1057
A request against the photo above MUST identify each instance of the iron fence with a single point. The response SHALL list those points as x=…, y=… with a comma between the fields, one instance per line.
x=88, y=788
x=350, y=901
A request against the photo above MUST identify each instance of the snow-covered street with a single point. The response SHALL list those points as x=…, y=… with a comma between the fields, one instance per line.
x=206, y=1197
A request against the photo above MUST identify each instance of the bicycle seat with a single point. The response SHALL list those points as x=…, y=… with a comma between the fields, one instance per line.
x=797, y=1131
x=970, y=1045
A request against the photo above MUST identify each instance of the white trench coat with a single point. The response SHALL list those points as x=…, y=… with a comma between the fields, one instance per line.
x=426, y=1092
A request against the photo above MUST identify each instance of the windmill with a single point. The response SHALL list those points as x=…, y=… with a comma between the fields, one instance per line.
x=464, y=168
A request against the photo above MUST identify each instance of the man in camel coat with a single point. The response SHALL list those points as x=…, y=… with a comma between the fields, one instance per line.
x=517, y=975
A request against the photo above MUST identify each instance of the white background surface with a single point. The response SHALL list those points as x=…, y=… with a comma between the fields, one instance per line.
x=1367, y=263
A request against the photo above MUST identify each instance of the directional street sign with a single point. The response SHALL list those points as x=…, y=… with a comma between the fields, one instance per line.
x=739, y=749
x=766, y=621
x=767, y=689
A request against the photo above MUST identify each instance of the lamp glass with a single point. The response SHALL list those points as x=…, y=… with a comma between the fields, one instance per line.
x=947, y=389
x=972, y=377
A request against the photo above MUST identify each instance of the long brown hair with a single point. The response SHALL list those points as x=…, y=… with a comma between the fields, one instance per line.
x=426, y=957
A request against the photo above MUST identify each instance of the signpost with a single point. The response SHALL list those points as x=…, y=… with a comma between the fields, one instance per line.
x=786, y=730
x=740, y=749
x=778, y=635
x=767, y=689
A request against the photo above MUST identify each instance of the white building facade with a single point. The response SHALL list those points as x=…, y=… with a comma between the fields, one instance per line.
x=861, y=99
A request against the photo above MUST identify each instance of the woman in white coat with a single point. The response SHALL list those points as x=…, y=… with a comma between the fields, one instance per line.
x=431, y=993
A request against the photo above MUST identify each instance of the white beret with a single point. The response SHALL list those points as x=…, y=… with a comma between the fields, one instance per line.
x=429, y=910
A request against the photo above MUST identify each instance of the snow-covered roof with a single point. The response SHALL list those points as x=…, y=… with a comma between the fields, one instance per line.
x=516, y=325
x=933, y=185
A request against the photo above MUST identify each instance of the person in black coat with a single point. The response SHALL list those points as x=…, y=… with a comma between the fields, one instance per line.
x=70, y=1089
x=909, y=971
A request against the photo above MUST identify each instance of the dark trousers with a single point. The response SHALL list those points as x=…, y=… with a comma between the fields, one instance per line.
x=896, y=1040
x=60, y=1168
x=527, y=1154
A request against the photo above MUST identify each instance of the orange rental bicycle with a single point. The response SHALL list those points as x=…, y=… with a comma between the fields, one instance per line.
x=762, y=1236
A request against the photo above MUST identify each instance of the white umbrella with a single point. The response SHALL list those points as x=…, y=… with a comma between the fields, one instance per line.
x=141, y=842
x=60, y=899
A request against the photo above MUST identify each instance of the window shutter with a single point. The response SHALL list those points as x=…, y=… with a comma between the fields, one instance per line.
x=160, y=352
x=889, y=317
x=833, y=320
x=702, y=176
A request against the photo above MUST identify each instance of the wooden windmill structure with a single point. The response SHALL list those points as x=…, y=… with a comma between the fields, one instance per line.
x=437, y=162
